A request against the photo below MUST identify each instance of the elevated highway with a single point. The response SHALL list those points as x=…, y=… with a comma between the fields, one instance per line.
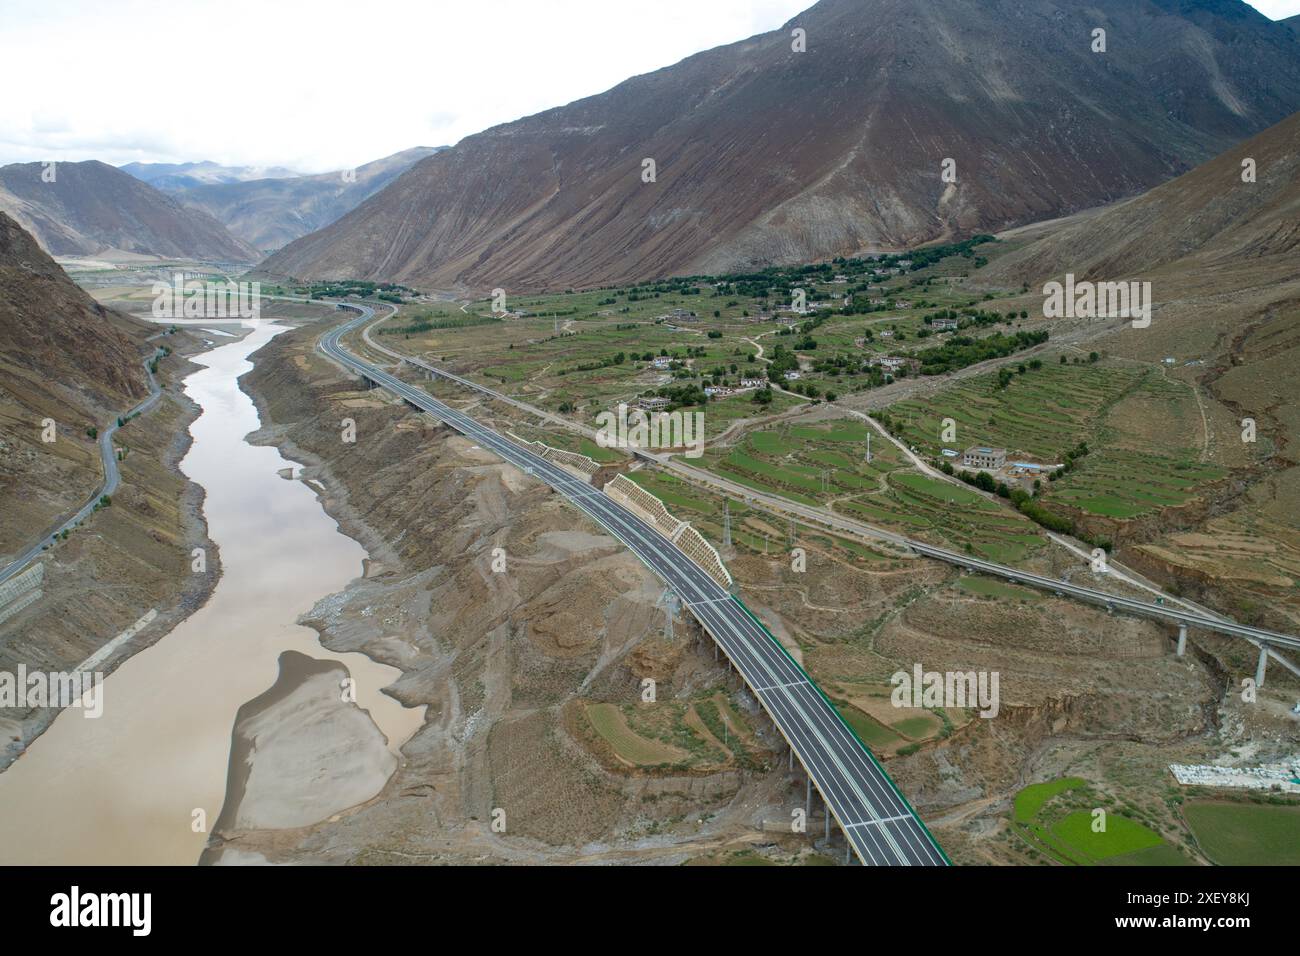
x=880, y=826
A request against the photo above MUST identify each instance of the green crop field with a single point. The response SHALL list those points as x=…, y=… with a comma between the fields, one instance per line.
x=1121, y=835
x=1246, y=834
x=1055, y=819
x=1032, y=798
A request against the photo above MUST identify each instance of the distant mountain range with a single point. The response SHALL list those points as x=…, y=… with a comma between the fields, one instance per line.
x=176, y=176
x=269, y=212
x=93, y=209
x=766, y=155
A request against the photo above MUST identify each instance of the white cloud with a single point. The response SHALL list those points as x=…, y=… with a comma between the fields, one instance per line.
x=329, y=84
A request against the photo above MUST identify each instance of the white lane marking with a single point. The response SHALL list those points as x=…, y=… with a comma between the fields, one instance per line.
x=775, y=686
x=872, y=823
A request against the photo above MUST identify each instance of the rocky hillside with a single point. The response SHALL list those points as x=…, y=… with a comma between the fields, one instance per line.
x=268, y=213
x=764, y=154
x=1210, y=216
x=56, y=337
x=93, y=209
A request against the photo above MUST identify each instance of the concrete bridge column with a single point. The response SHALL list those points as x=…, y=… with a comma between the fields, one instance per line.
x=1263, y=663
x=1182, y=639
x=826, y=812
x=807, y=799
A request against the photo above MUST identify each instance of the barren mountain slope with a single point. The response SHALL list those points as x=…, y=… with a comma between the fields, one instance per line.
x=1210, y=216
x=767, y=155
x=92, y=208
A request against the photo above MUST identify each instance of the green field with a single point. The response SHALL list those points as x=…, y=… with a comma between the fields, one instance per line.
x=1121, y=835
x=1032, y=798
x=1055, y=818
x=1246, y=834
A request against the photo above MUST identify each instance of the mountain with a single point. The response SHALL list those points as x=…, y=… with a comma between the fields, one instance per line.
x=765, y=155
x=92, y=209
x=171, y=177
x=62, y=357
x=1293, y=23
x=56, y=336
x=1207, y=219
x=268, y=213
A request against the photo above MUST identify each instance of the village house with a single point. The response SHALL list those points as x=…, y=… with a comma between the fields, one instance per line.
x=980, y=456
x=892, y=363
x=653, y=403
x=792, y=376
x=941, y=324
x=753, y=383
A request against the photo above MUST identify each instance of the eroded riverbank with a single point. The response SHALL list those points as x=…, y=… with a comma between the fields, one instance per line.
x=134, y=786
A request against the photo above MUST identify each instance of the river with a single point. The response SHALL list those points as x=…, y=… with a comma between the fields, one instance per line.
x=123, y=788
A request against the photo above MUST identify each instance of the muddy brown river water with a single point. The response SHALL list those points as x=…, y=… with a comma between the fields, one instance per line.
x=122, y=789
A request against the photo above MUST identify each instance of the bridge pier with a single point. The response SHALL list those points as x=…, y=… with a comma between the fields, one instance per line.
x=1182, y=639
x=807, y=800
x=826, y=813
x=1261, y=666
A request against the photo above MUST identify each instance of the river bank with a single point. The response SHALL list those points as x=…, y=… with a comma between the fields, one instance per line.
x=131, y=558
x=144, y=783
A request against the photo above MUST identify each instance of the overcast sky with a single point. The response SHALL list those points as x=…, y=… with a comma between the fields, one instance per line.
x=317, y=85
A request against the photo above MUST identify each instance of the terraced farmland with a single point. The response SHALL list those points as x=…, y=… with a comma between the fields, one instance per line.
x=1139, y=462
x=825, y=465
x=704, y=734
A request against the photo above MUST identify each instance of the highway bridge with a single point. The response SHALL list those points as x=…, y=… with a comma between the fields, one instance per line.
x=880, y=826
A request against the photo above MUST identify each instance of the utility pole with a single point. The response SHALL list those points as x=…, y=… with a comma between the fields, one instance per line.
x=726, y=525
x=868, y=447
